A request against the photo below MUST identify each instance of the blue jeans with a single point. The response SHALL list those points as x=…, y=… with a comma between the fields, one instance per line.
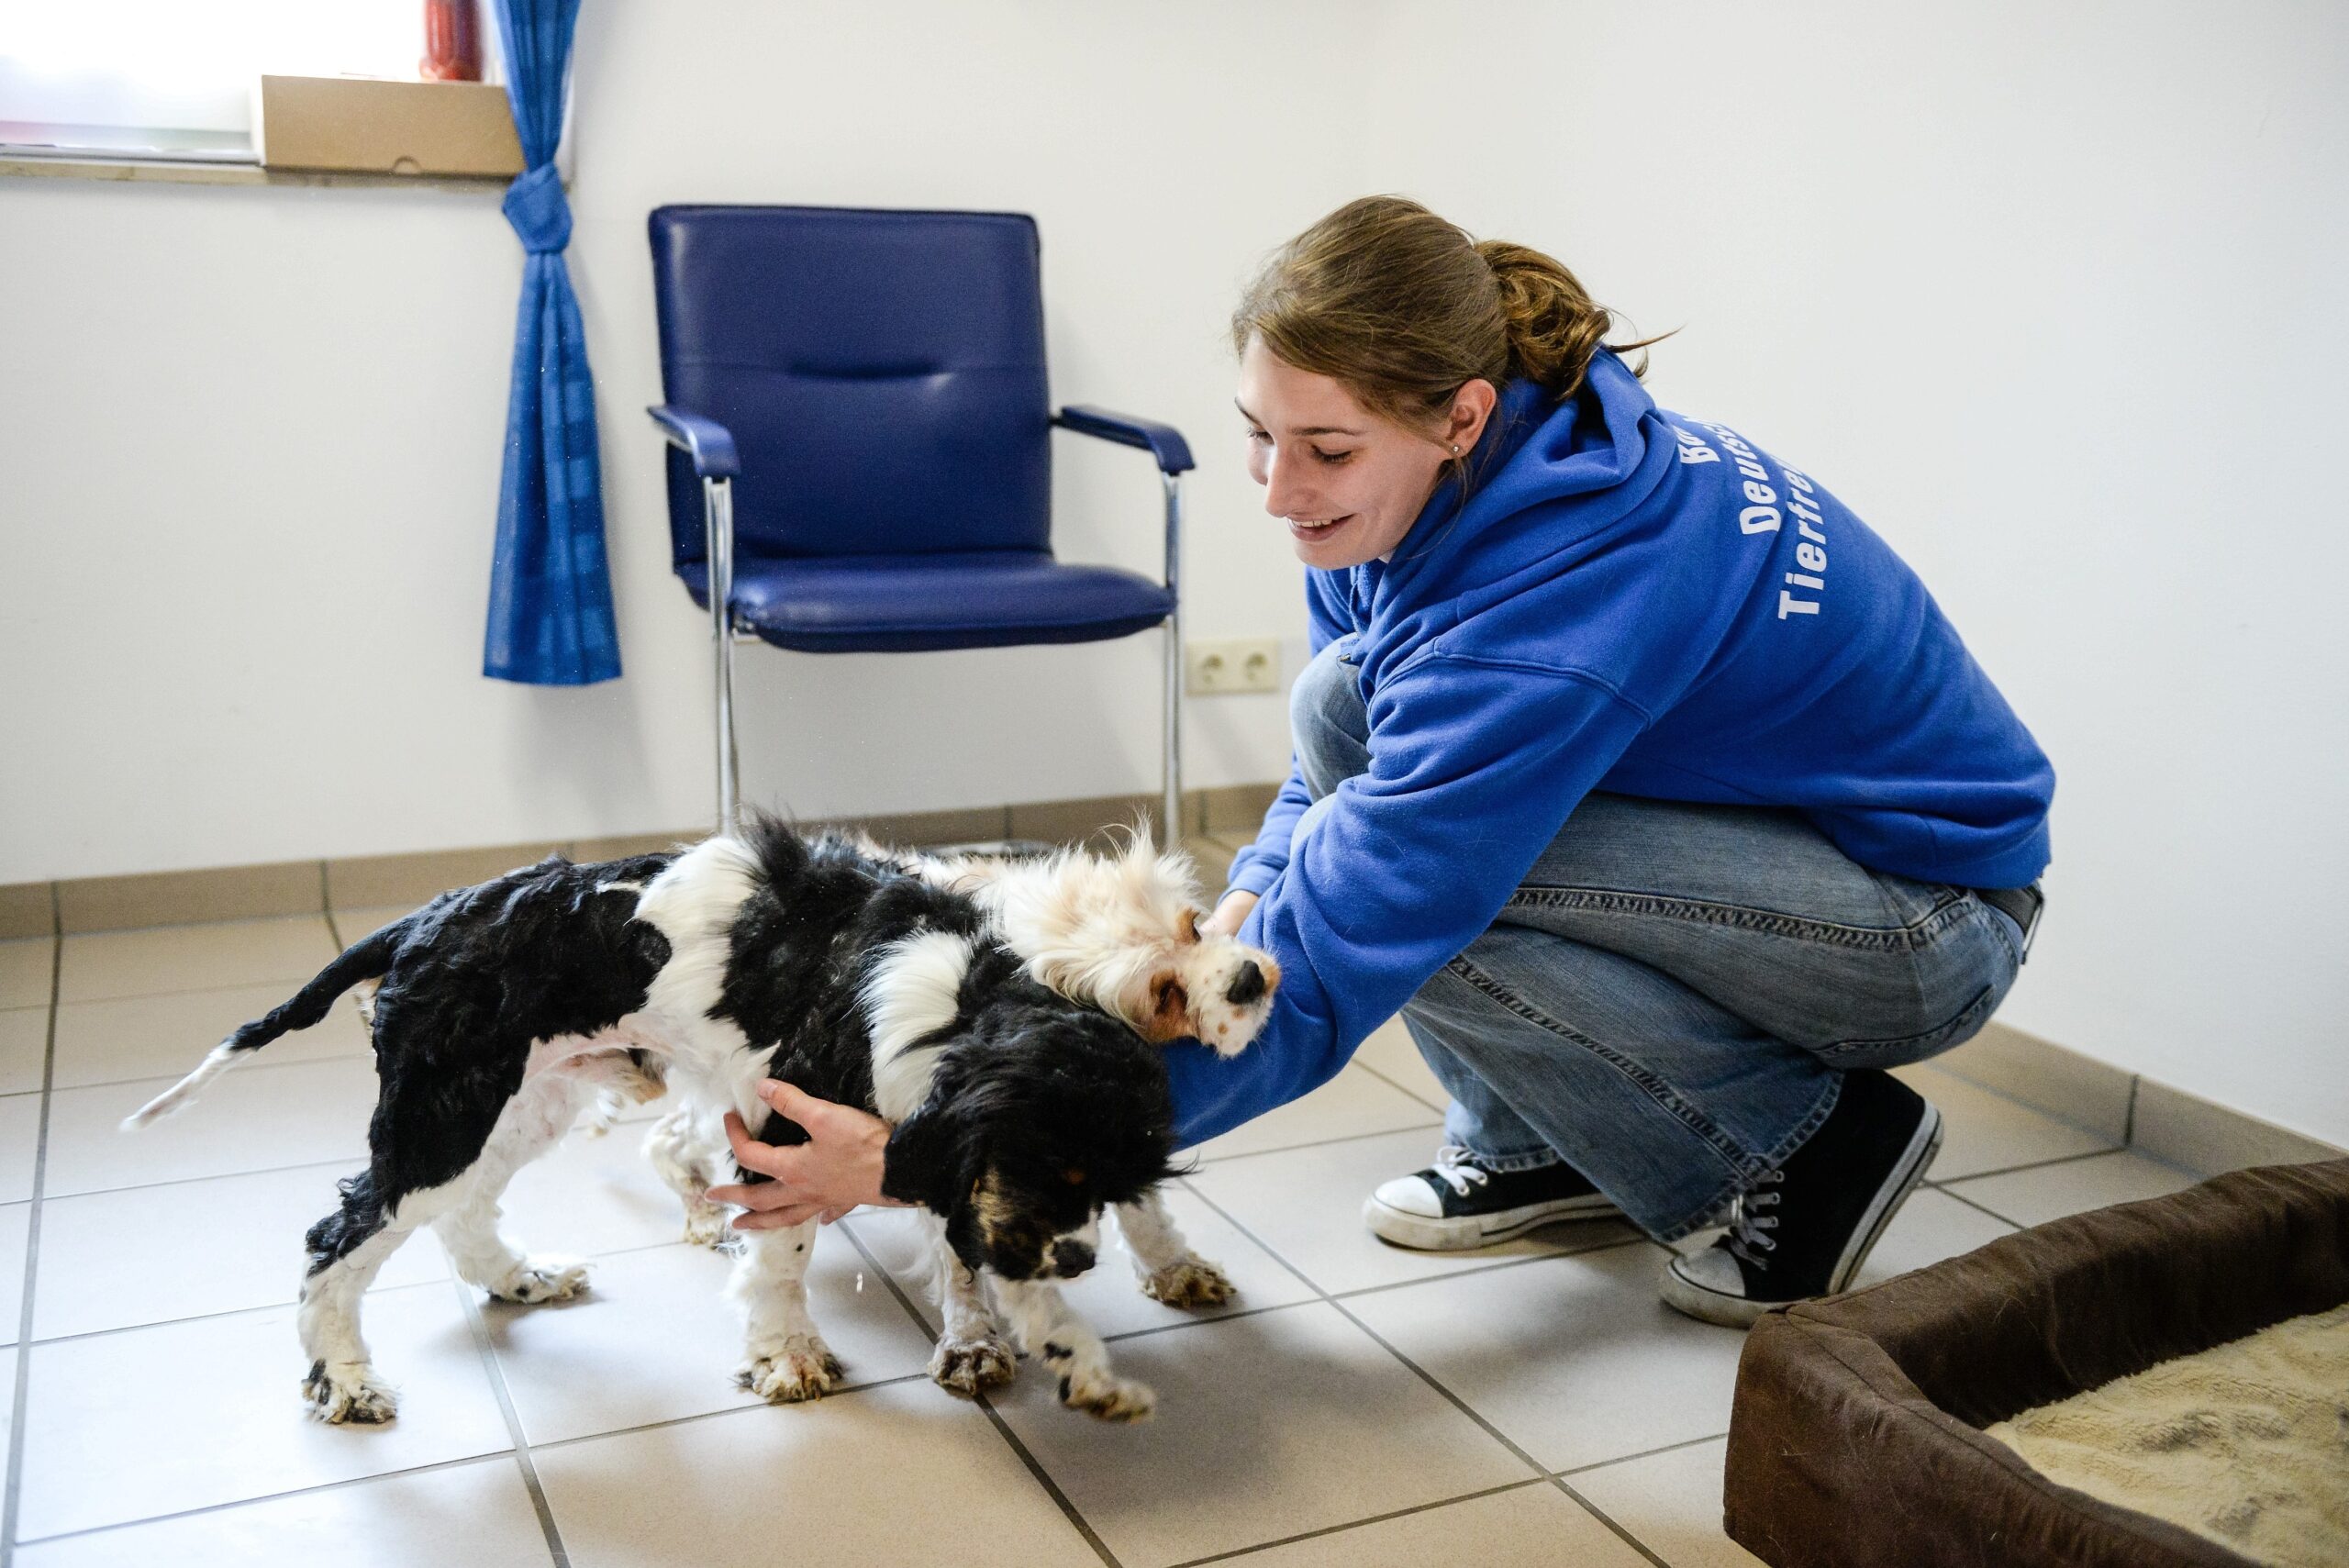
x=1670, y=999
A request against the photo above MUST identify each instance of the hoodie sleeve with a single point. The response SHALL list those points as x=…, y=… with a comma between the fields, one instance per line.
x=1255, y=868
x=1475, y=766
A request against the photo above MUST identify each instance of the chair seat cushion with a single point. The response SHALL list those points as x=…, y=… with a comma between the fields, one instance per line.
x=904, y=603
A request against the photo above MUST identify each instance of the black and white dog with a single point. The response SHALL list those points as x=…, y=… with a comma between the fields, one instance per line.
x=1000, y=1014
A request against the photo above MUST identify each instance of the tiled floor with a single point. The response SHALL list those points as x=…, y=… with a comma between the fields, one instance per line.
x=1356, y=1404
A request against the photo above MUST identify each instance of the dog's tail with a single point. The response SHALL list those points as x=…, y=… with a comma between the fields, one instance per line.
x=368, y=959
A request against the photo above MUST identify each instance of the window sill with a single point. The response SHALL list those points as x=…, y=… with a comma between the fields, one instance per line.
x=156, y=171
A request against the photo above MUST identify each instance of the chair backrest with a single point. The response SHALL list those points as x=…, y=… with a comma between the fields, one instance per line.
x=883, y=375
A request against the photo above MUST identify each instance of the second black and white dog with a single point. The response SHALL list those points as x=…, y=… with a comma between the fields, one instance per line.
x=999, y=1013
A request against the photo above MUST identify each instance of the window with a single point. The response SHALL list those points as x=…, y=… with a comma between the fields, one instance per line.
x=174, y=79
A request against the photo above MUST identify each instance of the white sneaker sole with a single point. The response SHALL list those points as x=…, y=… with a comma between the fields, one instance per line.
x=1711, y=1306
x=1465, y=1232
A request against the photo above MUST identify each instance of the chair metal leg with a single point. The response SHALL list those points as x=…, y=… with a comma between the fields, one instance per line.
x=1171, y=822
x=718, y=523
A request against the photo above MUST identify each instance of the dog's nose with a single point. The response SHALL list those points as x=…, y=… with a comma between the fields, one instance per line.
x=1247, y=987
x=1071, y=1258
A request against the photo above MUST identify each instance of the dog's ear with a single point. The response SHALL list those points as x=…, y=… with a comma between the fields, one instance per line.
x=1167, y=1015
x=926, y=1158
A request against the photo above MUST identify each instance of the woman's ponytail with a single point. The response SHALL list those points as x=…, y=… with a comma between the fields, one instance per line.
x=1403, y=309
x=1552, y=324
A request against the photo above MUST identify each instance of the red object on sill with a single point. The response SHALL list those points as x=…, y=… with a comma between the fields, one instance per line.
x=451, y=43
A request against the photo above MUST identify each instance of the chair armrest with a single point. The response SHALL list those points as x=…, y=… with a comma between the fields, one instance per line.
x=706, y=441
x=1164, y=442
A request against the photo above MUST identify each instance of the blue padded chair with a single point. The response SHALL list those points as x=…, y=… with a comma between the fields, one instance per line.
x=860, y=443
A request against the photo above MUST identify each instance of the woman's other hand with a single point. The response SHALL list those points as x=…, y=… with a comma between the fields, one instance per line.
x=1228, y=916
x=838, y=1168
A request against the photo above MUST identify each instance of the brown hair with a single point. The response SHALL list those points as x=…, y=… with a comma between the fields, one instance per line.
x=1402, y=309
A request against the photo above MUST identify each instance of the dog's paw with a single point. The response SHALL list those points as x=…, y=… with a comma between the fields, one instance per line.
x=348, y=1392
x=1103, y=1395
x=545, y=1280
x=1192, y=1282
x=967, y=1366
x=803, y=1367
x=705, y=1225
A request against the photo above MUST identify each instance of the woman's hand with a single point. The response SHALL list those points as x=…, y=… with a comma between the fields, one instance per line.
x=838, y=1168
x=1229, y=914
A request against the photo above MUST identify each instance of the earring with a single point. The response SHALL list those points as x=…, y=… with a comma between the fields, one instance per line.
x=1455, y=448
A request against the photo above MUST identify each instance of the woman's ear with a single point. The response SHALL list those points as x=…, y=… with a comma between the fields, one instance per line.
x=1472, y=408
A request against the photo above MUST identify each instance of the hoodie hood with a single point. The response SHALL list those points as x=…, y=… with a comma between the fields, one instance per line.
x=1591, y=451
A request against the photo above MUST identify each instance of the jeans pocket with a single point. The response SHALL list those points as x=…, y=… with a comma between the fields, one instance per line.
x=1848, y=1055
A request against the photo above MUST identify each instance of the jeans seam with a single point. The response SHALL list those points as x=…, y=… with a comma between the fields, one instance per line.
x=1979, y=1003
x=1703, y=1212
x=1741, y=1164
x=1911, y=937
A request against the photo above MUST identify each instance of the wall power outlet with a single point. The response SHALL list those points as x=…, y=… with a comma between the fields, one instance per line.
x=1232, y=664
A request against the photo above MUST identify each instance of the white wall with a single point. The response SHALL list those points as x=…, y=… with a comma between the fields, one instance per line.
x=2049, y=293
x=249, y=444
x=2053, y=295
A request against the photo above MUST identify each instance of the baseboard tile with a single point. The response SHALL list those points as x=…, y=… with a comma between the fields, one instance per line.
x=28, y=909
x=2202, y=1136
x=2135, y=1112
x=79, y=905
x=1237, y=808
x=369, y=881
x=176, y=898
x=2047, y=1077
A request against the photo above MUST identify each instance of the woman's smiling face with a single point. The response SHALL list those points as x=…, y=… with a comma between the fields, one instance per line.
x=1348, y=483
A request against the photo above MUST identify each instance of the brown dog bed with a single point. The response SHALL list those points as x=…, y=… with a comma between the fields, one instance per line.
x=1857, y=1437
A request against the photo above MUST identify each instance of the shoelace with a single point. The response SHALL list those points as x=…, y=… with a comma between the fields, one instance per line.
x=1748, y=1231
x=1459, y=1170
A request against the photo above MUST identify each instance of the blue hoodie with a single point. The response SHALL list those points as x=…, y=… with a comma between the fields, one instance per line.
x=1633, y=601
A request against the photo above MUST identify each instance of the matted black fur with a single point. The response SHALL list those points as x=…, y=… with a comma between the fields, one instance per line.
x=1058, y=1108
x=1042, y=1111
x=469, y=981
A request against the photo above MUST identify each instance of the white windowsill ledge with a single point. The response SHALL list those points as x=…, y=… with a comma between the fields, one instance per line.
x=157, y=171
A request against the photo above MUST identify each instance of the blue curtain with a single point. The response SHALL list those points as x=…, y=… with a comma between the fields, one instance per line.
x=550, y=589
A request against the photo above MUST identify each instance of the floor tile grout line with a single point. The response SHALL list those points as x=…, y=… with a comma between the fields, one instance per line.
x=1361, y=1523
x=1643, y=1454
x=243, y=1069
x=2028, y=1166
x=1480, y=1269
x=479, y=1328
x=357, y=1157
x=1457, y=1402
x=1391, y=1084
x=12, y=1501
x=553, y=1444
x=343, y=1485
x=994, y=1417
x=218, y=1313
x=1204, y=1160
x=224, y=1312
x=290, y=982
x=1204, y=1320
x=1603, y=1517
x=1983, y=1209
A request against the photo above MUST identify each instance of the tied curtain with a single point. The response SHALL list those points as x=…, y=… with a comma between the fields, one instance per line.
x=551, y=592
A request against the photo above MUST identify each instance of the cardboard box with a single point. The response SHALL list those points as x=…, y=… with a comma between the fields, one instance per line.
x=359, y=125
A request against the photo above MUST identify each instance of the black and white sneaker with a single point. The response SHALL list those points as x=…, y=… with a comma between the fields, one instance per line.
x=1807, y=1226
x=1457, y=1202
